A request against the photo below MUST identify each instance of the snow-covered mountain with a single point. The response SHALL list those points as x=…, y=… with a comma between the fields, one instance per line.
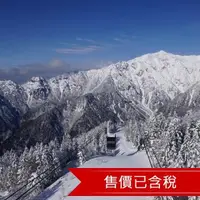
x=8, y=119
x=69, y=106
x=83, y=100
x=159, y=74
x=15, y=94
x=136, y=78
x=187, y=101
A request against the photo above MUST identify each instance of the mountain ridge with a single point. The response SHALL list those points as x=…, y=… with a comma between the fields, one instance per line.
x=139, y=87
x=158, y=69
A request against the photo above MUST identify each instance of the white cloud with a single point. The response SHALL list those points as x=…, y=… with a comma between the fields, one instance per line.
x=120, y=39
x=84, y=39
x=117, y=39
x=124, y=38
x=78, y=50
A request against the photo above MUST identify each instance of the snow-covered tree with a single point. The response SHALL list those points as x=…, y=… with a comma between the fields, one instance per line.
x=132, y=132
x=43, y=162
x=189, y=155
x=27, y=165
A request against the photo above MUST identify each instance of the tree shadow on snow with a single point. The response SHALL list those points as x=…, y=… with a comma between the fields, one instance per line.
x=131, y=154
x=117, y=151
x=48, y=192
x=72, y=164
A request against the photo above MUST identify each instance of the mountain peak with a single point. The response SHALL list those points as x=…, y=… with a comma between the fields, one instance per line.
x=162, y=52
x=37, y=79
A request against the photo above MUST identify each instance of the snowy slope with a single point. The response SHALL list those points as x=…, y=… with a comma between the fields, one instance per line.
x=126, y=157
x=8, y=119
x=15, y=94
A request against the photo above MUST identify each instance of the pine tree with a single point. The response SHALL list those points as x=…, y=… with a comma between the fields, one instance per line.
x=75, y=147
x=12, y=171
x=189, y=155
x=25, y=167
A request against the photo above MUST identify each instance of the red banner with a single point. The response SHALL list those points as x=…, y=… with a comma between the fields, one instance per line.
x=137, y=182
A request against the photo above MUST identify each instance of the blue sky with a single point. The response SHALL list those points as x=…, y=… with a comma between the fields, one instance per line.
x=87, y=33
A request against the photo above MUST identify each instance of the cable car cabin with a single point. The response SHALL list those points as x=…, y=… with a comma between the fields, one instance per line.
x=111, y=142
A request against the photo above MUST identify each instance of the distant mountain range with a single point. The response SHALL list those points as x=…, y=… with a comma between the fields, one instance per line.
x=40, y=110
